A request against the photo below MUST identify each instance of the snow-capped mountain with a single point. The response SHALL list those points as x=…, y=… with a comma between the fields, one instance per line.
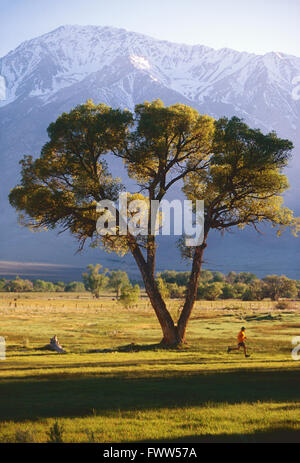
x=105, y=57
x=52, y=73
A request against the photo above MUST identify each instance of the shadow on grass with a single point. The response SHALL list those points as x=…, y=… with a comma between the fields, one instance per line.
x=282, y=435
x=82, y=396
x=135, y=348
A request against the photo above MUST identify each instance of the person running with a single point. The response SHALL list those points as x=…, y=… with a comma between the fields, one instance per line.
x=241, y=338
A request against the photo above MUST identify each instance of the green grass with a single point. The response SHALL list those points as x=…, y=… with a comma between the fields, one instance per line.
x=196, y=394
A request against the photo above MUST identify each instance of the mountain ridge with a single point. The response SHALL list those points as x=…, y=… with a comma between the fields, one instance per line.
x=165, y=57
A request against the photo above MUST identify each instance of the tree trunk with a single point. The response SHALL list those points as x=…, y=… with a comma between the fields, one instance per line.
x=170, y=337
x=170, y=333
x=191, y=293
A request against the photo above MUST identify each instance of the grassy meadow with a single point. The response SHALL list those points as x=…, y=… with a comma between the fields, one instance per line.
x=145, y=394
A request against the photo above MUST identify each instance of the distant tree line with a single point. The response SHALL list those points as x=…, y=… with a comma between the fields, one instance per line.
x=211, y=286
x=20, y=285
x=215, y=285
x=95, y=280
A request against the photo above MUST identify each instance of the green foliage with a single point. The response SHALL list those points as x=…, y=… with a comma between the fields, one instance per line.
x=163, y=287
x=209, y=292
x=229, y=291
x=62, y=186
x=165, y=139
x=206, y=276
x=254, y=291
x=240, y=289
x=243, y=183
x=118, y=279
x=244, y=285
x=60, y=286
x=231, y=277
x=95, y=281
x=218, y=277
x=19, y=286
x=279, y=286
x=45, y=286
x=3, y=285
x=245, y=277
x=129, y=295
x=175, y=291
x=75, y=287
x=171, y=276
x=39, y=285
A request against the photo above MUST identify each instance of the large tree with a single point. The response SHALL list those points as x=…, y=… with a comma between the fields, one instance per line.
x=234, y=169
x=279, y=286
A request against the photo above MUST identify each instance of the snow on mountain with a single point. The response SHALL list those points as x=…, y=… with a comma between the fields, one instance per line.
x=42, y=66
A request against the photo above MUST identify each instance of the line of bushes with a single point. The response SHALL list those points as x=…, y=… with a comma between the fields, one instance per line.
x=172, y=284
x=19, y=285
x=216, y=285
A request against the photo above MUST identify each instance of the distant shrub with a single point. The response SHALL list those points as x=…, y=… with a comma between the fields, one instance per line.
x=254, y=291
x=209, y=292
x=228, y=292
x=175, y=291
x=171, y=276
x=60, y=286
x=129, y=295
x=118, y=279
x=18, y=285
x=43, y=286
x=75, y=287
x=94, y=280
x=206, y=276
x=218, y=277
x=240, y=289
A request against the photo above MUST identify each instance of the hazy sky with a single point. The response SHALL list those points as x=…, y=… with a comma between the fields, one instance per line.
x=257, y=26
